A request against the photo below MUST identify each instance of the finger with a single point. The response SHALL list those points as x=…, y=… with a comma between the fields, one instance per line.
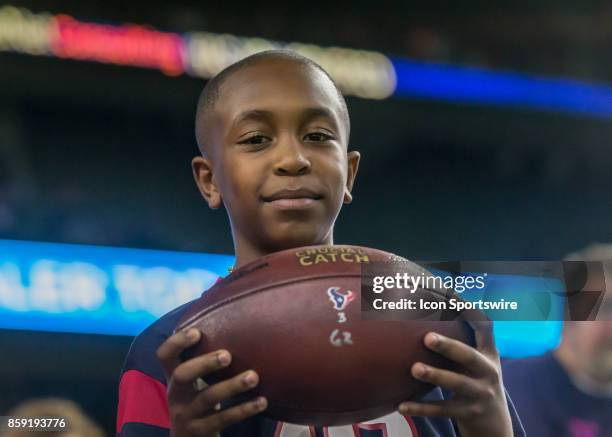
x=170, y=350
x=446, y=408
x=455, y=382
x=222, y=391
x=219, y=421
x=459, y=352
x=189, y=371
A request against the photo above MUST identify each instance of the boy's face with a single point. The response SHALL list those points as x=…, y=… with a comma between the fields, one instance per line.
x=279, y=159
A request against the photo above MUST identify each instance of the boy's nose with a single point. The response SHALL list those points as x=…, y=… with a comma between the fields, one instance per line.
x=291, y=160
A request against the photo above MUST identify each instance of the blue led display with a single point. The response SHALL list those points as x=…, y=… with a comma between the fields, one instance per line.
x=477, y=85
x=102, y=290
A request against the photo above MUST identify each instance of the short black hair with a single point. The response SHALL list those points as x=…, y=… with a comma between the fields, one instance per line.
x=210, y=93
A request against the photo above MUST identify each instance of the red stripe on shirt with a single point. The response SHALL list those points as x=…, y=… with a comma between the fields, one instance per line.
x=142, y=399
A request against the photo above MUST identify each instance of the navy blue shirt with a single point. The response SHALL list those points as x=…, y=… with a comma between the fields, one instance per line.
x=143, y=407
x=549, y=403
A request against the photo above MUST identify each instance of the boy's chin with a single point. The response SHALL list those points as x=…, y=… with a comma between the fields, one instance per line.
x=289, y=239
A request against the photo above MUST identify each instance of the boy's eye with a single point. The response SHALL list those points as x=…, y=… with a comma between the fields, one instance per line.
x=254, y=140
x=319, y=136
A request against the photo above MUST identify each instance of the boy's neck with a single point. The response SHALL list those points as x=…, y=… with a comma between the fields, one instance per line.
x=246, y=251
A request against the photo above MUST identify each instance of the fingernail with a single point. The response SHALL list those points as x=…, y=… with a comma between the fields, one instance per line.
x=420, y=370
x=404, y=408
x=223, y=358
x=260, y=403
x=250, y=379
x=192, y=334
x=434, y=340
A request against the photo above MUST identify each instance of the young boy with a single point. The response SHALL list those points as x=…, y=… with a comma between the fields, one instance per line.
x=273, y=131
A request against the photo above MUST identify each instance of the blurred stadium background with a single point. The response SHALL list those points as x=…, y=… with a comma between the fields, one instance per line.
x=485, y=129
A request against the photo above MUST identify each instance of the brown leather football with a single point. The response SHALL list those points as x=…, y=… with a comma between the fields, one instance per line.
x=295, y=318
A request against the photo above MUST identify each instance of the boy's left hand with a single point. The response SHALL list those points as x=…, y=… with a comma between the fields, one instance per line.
x=478, y=405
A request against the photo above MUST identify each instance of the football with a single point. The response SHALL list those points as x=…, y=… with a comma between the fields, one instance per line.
x=295, y=318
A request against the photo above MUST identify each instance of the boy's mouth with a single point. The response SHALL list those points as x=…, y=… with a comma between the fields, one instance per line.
x=300, y=198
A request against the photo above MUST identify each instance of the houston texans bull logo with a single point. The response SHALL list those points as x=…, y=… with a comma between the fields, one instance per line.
x=340, y=299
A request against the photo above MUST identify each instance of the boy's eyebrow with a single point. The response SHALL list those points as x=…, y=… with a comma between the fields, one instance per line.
x=322, y=112
x=261, y=114
x=252, y=114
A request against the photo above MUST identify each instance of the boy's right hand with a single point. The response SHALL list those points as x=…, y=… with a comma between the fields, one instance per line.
x=196, y=412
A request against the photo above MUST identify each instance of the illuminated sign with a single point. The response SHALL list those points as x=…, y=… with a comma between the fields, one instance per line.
x=464, y=84
x=359, y=73
x=24, y=32
x=72, y=288
x=129, y=44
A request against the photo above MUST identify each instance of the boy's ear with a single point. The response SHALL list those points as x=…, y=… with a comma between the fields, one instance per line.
x=203, y=175
x=353, y=165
